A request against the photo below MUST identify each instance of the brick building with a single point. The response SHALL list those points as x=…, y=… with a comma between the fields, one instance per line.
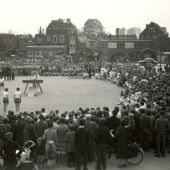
x=153, y=30
x=5, y=44
x=160, y=46
x=121, y=47
x=62, y=33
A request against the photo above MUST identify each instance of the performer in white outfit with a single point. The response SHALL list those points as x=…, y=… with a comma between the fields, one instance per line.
x=17, y=99
x=5, y=99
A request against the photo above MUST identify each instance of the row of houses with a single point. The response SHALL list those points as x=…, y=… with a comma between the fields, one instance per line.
x=62, y=37
x=153, y=42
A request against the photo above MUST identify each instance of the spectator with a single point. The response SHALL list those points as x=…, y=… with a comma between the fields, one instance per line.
x=40, y=127
x=8, y=152
x=82, y=145
x=161, y=129
x=70, y=146
x=61, y=132
x=102, y=139
x=18, y=130
x=122, y=136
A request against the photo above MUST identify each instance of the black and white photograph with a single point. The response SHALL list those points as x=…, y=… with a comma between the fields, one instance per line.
x=84, y=84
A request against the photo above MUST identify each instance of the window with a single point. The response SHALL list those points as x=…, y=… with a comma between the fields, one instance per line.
x=37, y=53
x=55, y=39
x=112, y=45
x=151, y=29
x=62, y=39
x=120, y=45
x=48, y=38
x=39, y=40
x=72, y=45
x=138, y=45
x=129, y=45
x=72, y=38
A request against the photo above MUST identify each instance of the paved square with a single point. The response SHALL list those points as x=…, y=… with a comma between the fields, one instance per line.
x=66, y=94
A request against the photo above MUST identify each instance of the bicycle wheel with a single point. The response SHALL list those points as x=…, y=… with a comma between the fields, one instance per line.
x=138, y=159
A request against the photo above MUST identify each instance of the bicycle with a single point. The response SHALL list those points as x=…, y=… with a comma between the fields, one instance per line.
x=135, y=152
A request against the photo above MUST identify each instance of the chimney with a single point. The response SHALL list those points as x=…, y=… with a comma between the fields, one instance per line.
x=117, y=32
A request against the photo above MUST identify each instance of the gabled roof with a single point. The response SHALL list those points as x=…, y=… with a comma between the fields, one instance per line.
x=162, y=29
x=60, y=23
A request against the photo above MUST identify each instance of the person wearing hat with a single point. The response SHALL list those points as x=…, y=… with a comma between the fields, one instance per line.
x=8, y=152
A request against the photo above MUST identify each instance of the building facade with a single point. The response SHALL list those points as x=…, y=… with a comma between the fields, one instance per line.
x=121, y=47
x=153, y=30
x=62, y=33
x=160, y=41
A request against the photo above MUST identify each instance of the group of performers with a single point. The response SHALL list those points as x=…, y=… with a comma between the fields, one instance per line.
x=17, y=94
x=6, y=99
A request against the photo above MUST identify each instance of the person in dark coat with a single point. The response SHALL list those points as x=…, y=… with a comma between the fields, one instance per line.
x=161, y=129
x=3, y=131
x=40, y=127
x=18, y=130
x=70, y=145
x=102, y=139
x=82, y=145
x=91, y=127
x=145, y=129
x=28, y=129
x=113, y=122
x=122, y=137
x=8, y=152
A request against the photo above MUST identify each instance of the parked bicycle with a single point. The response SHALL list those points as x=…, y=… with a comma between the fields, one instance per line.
x=135, y=152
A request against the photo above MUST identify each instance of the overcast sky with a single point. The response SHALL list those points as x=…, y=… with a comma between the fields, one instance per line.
x=26, y=16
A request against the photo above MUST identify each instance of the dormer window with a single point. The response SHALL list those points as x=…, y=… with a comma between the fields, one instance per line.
x=151, y=29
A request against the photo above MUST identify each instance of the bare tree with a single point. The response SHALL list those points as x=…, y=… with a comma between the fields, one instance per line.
x=122, y=31
x=93, y=28
x=134, y=31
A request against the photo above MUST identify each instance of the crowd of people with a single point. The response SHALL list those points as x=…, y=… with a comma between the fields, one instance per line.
x=7, y=72
x=82, y=136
